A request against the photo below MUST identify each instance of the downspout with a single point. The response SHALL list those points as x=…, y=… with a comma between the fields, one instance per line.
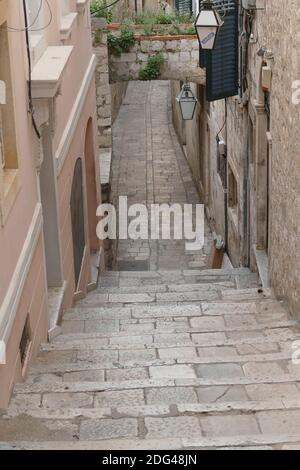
x=31, y=110
x=226, y=184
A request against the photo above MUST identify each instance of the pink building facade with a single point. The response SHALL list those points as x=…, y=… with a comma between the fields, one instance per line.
x=49, y=175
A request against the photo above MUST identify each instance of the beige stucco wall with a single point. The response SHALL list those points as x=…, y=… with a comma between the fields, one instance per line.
x=15, y=228
x=26, y=258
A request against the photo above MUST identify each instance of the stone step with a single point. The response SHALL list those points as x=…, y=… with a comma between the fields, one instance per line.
x=169, y=377
x=164, y=288
x=213, y=308
x=185, y=420
x=174, y=273
x=164, y=340
x=119, y=370
x=161, y=288
x=142, y=411
x=240, y=277
x=208, y=325
x=239, y=442
x=199, y=295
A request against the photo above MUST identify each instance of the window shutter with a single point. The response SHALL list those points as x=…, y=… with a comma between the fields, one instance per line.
x=222, y=63
x=183, y=5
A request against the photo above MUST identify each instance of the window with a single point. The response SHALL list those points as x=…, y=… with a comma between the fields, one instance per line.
x=232, y=190
x=36, y=22
x=66, y=7
x=9, y=183
x=7, y=120
x=25, y=343
x=221, y=163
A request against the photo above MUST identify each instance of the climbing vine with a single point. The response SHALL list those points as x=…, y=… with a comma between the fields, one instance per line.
x=153, y=68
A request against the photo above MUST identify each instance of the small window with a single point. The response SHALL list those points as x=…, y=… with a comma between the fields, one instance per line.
x=232, y=190
x=66, y=7
x=25, y=342
x=8, y=145
x=221, y=164
x=9, y=180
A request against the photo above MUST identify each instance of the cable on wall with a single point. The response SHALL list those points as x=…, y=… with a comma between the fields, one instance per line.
x=29, y=71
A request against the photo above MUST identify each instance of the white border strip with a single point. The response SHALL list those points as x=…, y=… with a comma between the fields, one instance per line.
x=9, y=307
x=64, y=145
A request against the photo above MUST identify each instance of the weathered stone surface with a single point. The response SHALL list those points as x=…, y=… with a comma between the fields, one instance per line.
x=215, y=371
x=119, y=398
x=236, y=425
x=269, y=391
x=178, y=353
x=108, y=429
x=61, y=400
x=176, y=371
x=172, y=427
x=171, y=396
x=229, y=393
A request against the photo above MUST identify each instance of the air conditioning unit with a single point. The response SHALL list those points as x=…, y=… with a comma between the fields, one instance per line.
x=249, y=4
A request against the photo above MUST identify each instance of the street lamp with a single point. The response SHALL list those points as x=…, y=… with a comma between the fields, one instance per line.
x=187, y=102
x=207, y=24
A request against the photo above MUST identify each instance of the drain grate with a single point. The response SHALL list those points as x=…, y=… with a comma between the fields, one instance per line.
x=133, y=265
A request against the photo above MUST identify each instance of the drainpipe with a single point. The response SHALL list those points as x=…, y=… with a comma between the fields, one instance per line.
x=226, y=183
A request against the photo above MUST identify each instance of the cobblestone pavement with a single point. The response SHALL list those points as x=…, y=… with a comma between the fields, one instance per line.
x=150, y=167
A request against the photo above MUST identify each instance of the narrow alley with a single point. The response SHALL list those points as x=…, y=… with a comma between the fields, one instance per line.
x=149, y=227
x=161, y=356
x=149, y=167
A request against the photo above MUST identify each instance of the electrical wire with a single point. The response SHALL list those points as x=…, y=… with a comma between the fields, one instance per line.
x=106, y=6
x=29, y=71
x=30, y=27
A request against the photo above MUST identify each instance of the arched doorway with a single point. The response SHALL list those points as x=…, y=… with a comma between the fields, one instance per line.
x=77, y=217
x=91, y=188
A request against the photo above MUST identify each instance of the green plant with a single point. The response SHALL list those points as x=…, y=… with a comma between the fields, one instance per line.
x=121, y=43
x=99, y=10
x=97, y=37
x=159, y=17
x=153, y=68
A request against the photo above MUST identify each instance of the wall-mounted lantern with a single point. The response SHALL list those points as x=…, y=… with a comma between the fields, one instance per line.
x=187, y=102
x=207, y=24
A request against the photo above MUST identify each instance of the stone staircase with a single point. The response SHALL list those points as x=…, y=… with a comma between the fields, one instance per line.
x=164, y=360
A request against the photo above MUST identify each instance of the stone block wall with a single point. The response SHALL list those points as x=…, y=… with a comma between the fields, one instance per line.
x=263, y=154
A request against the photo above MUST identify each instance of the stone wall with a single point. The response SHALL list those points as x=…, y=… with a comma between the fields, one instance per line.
x=262, y=155
x=181, y=59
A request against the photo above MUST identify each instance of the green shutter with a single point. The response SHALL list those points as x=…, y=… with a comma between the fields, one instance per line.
x=183, y=5
x=222, y=64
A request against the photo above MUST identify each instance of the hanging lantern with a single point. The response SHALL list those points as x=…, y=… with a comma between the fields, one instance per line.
x=207, y=25
x=187, y=102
